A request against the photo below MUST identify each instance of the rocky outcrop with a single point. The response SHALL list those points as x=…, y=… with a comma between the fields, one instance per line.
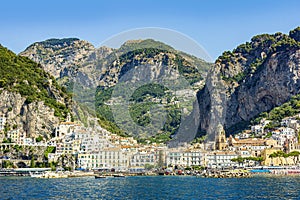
x=33, y=119
x=66, y=58
x=60, y=57
x=31, y=100
x=295, y=34
x=253, y=78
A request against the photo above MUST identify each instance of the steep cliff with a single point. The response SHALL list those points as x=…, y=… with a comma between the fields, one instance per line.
x=253, y=78
x=31, y=100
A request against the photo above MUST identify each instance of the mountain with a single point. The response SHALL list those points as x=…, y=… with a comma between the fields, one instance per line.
x=31, y=99
x=96, y=73
x=253, y=78
x=64, y=58
x=59, y=56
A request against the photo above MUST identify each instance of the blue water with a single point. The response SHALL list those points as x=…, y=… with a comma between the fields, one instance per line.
x=159, y=187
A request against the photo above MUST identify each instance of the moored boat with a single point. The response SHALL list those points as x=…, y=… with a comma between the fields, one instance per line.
x=36, y=175
x=119, y=175
x=99, y=176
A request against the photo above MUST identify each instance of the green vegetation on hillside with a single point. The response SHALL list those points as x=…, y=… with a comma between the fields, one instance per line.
x=288, y=109
x=144, y=44
x=190, y=72
x=153, y=90
x=264, y=43
x=148, y=95
x=141, y=102
x=55, y=43
x=21, y=75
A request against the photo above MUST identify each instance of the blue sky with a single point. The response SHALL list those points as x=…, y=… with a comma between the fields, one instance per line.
x=215, y=25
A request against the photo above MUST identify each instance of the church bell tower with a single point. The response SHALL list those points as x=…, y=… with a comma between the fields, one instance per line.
x=221, y=143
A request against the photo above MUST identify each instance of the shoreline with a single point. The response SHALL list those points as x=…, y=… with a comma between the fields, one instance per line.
x=81, y=175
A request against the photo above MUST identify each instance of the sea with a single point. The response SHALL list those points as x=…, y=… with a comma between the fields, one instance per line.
x=151, y=187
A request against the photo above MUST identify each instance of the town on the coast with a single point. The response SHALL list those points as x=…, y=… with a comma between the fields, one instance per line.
x=75, y=147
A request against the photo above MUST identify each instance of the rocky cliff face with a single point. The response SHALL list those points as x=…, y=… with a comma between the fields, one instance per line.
x=33, y=119
x=66, y=58
x=60, y=57
x=253, y=78
x=31, y=100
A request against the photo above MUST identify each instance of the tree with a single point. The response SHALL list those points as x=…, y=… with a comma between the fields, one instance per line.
x=294, y=154
x=32, y=162
x=272, y=156
x=160, y=159
x=7, y=164
x=39, y=138
x=3, y=82
x=281, y=155
x=149, y=166
x=259, y=160
x=285, y=155
x=239, y=160
x=7, y=140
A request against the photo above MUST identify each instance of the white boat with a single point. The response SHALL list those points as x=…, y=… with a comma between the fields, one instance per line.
x=36, y=174
x=119, y=175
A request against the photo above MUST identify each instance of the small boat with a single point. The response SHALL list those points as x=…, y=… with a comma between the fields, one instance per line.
x=99, y=176
x=119, y=175
x=161, y=173
x=36, y=175
x=199, y=175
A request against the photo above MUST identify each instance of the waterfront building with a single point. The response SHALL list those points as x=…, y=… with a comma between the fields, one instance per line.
x=175, y=158
x=253, y=145
x=106, y=158
x=142, y=158
x=275, y=161
x=185, y=158
x=221, y=159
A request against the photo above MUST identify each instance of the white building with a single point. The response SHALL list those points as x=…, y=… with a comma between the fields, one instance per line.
x=91, y=140
x=2, y=122
x=290, y=122
x=243, y=152
x=64, y=148
x=282, y=134
x=175, y=158
x=257, y=129
x=65, y=128
x=221, y=159
x=16, y=136
x=107, y=158
x=193, y=158
x=185, y=158
x=140, y=159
